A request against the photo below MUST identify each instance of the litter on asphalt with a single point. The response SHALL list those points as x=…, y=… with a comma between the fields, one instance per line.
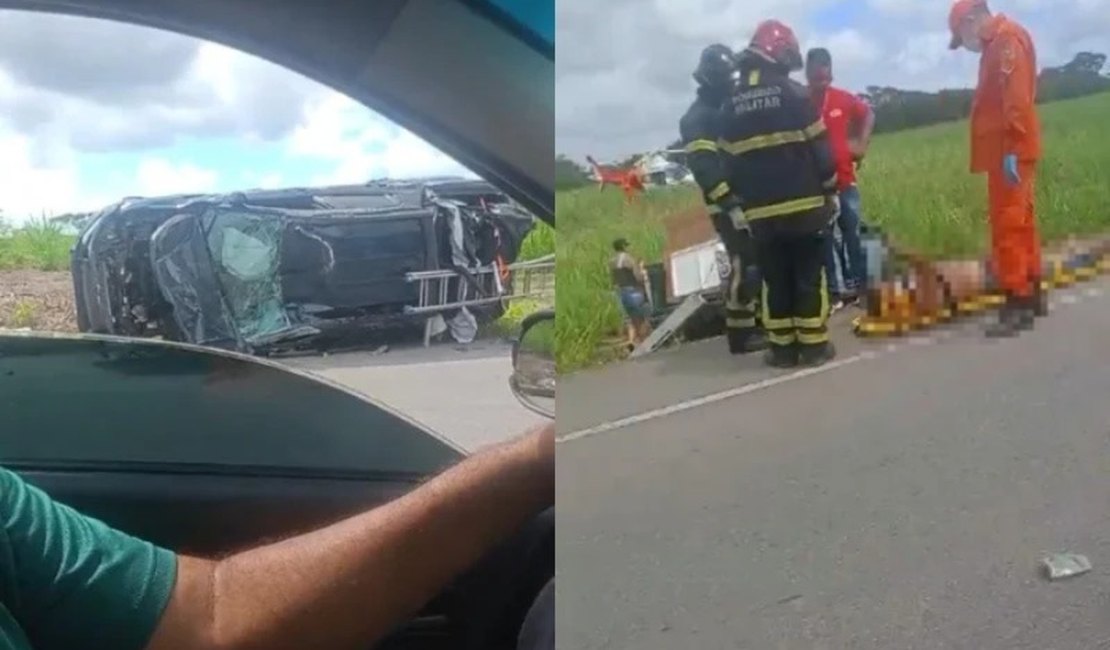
x=1065, y=565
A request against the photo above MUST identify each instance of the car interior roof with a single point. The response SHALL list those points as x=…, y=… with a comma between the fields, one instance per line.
x=451, y=72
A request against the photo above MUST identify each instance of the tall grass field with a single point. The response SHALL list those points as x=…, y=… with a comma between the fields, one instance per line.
x=915, y=185
x=37, y=245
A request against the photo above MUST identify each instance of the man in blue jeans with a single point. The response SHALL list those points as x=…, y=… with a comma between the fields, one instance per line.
x=850, y=122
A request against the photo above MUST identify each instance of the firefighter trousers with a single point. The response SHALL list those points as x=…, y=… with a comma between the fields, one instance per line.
x=1015, y=244
x=742, y=291
x=795, y=289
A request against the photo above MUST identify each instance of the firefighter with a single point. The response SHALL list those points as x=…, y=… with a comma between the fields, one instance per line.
x=1006, y=145
x=699, y=129
x=779, y=164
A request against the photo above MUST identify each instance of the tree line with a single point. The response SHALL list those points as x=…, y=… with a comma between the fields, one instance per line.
x=898, y=110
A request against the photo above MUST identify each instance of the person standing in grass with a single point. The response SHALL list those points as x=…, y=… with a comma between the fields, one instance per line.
x=1006, y=145
x=850, y=122
x=629, y=279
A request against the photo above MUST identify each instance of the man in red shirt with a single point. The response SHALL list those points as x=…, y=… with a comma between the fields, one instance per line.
x=849, y=121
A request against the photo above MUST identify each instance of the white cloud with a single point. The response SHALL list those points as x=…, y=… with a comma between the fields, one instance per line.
x=703, y=19
x=269, y=181
x=923, y=53
x=29, y=189
x=852, y=48
x=359, y=145
x=623, y=71
x=70, y=87
x=159, y=177
x=924, y=11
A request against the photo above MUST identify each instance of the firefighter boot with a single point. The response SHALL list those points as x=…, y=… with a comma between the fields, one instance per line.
x=817, y=354
x=745, y=341
x=1014, y=317
x=781, y=356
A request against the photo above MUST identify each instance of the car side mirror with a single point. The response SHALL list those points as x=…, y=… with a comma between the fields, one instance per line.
x=533, y=378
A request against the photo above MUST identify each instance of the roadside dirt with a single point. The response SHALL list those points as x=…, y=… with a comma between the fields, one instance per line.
x=39, y=300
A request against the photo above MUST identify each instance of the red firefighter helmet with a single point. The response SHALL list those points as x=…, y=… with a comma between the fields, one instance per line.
x=775, y=42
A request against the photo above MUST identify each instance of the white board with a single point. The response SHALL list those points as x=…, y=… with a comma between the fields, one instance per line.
x=695, y=270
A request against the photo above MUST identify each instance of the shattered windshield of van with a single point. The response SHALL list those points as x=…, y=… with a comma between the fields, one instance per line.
x=246, y=252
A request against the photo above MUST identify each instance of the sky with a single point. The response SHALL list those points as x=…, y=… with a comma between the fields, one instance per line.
x=623, y=67
x=92, y=111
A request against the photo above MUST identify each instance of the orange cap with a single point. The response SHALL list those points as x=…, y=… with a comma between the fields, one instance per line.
x=960, y=10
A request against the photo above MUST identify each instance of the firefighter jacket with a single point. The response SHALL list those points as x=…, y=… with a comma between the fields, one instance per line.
x=699, y=129
x=776, y=153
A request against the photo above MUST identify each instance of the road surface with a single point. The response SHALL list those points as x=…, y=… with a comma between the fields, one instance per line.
x=462, y=392
x=900, y=498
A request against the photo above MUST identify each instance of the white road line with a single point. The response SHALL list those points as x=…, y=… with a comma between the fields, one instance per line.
x=715, y=397
x=1070, y=298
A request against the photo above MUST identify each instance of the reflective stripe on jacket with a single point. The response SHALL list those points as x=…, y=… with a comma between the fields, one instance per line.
x=777, y=153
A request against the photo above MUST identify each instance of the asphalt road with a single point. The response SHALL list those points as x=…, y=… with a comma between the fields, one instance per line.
x=901, y=498
x=462, y=392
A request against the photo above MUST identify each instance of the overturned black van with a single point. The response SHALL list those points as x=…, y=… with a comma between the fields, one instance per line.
x=266, y=270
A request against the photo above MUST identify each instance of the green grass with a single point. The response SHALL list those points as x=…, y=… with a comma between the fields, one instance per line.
x=539, y=242
x=540, y=340
x=38, y=245
x=915, y=184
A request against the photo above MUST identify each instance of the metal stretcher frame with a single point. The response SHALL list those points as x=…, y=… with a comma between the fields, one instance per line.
x=435, y=295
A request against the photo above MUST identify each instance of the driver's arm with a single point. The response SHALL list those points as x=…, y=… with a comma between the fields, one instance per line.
x=350, y=584
x=70, y=581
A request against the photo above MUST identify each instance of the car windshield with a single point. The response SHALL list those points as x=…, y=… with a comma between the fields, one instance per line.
x=187, y=193
x=535, y=18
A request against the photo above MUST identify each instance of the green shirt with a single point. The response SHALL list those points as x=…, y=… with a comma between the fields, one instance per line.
x=69, y=582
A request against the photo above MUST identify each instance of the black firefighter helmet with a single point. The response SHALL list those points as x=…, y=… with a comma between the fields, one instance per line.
x=715, y=67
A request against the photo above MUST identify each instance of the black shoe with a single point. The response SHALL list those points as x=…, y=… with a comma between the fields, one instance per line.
x=1012, y=320
x=1026, y=317
x=746, y=341
x=781, y=356
x=812, y=356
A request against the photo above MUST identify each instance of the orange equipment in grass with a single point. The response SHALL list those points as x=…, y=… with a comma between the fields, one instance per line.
x=628, y=180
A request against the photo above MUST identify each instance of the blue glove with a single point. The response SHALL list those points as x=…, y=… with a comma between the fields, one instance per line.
x=1010, y=168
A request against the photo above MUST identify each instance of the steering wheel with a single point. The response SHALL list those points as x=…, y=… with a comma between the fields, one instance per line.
x=538, y=630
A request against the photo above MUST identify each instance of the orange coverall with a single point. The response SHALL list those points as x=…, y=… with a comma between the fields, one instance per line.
x=1004, y=121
